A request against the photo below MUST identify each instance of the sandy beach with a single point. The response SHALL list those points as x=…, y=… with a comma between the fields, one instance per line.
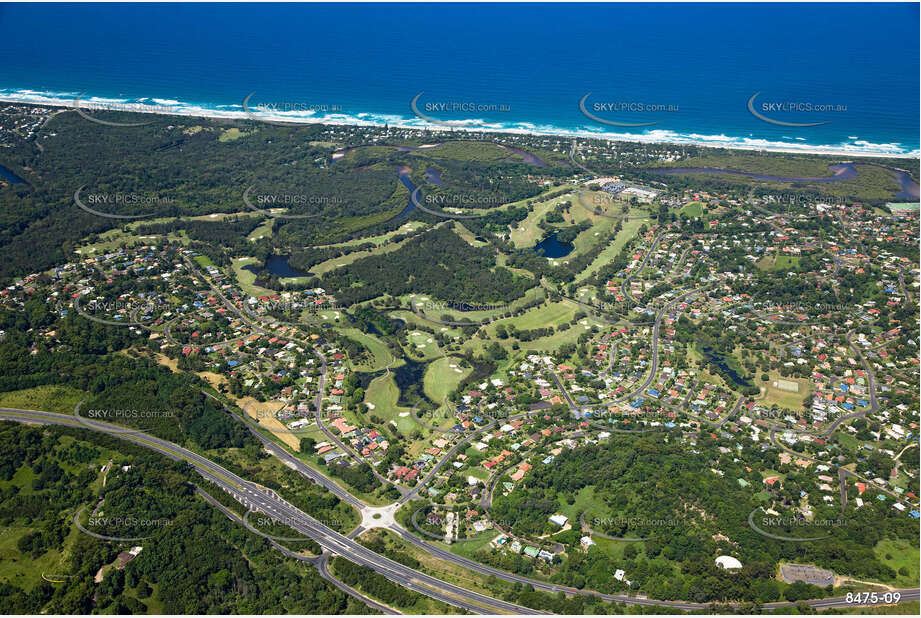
x=657, y=137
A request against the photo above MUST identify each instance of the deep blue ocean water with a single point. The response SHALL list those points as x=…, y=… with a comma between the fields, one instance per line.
x=519, y=66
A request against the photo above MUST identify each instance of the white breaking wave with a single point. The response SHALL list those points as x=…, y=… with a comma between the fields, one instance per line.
x=650, y=136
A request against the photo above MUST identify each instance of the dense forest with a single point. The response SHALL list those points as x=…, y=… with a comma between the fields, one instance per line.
x=654, y=487
x=196, y=562
x=134, y=392
x=439, y=263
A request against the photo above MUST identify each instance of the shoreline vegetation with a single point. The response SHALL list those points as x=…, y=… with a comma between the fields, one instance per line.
x=477, y=126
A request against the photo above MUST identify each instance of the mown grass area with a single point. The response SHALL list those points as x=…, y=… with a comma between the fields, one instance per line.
x=380, y=353
x=383, y=393
x=332, y=264
x=467, y=235
x=786, y=262
x=203, y=261
x=550, y=314
x=247, y=278
x=628, y=231
x=436, y=309
x=542, y=316
x=601, y=228
x=414, y=321
x=784, y=399
x=421, y=345
x=846, y=440
x=380, y=239
x=111, y=240
x=263, y=231
x=692, y=210
x=441, y=378
x=48, y=398
x=470, y=547
x=527, y=233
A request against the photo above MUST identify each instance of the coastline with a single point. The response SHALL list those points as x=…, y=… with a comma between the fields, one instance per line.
x=169, y=107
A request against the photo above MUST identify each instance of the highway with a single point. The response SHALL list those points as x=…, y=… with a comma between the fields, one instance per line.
x=256, y=498
x=320, y=562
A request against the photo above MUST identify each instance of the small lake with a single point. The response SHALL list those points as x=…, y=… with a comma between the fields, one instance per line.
x=10, y=177
x=278, y=266
x=718, y=361
x=551, y=247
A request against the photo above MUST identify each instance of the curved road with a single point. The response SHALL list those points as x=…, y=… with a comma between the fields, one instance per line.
x=255, y=497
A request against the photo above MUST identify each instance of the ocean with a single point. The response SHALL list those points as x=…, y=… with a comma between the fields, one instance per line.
x=839, y=78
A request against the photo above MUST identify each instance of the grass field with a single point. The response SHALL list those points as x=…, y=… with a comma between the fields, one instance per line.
x=467, y=235
x=586, y=240
x=413, y=320
x=900, y=554
x=692, y=209
x=409, y=226
x=586, y=502
x=542, y=316
x=247, y=278
x=422, y=345
x=22, y=570
x=380, y=353
x=231, y=134
x=263, y=231
x=778, y=262
x=263, y=413
x=627, y=232
x=784, y=399
x=440, y=378
x=203, y=260
x=527, y=234
x=435, y=309
x=469, y=548
x=382, y=393
x=329, y=265
x=50, y=398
